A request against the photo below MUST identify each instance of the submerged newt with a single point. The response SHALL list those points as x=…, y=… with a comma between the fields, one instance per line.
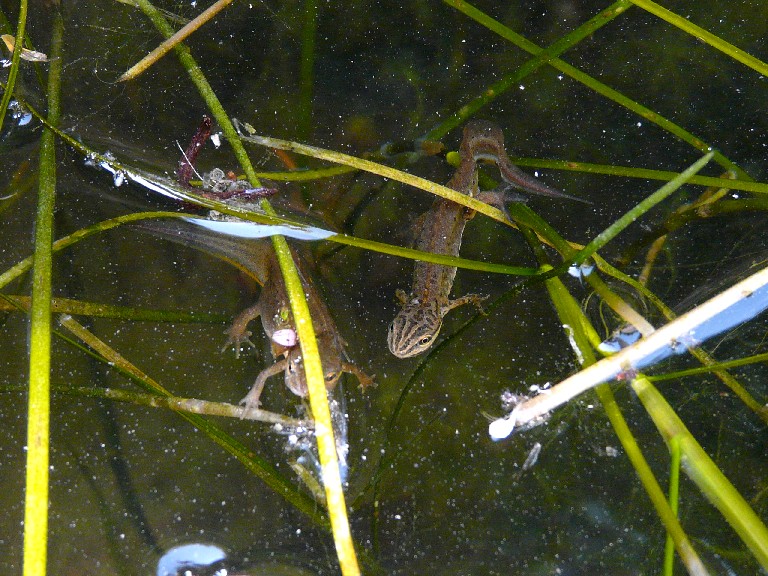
x=418, y=323
x=258, y=260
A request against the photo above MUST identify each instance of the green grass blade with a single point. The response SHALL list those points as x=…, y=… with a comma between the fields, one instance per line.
x=38, y=418
x=602, y=89
x=318, y=400
x=674, y=500
x=704, y=472
x=200, y=81
x=542, y=57
x=167, y=45
x=15, y=61
x=376, y=168
x=668, y=517
x=641, y=208
x=99, y=310
x=176, y=403
x=757, y=358
x=701, y=34
x=643, y=173
x=25, y=265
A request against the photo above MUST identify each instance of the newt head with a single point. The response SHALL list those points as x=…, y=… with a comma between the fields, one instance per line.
x=295, y=378
x=415, y=328
x=482, y=140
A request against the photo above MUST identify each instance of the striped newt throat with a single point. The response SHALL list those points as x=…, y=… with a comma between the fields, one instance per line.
x=416, y=326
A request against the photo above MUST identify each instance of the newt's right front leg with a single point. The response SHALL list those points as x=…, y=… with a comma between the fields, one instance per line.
x=238, y=333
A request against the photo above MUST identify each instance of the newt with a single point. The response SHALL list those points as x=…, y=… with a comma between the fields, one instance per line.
x=440, y=231
x=258, y=260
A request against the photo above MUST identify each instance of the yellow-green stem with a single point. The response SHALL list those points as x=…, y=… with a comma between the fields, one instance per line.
x=38, y=419
x=704, y=35
x=674, y=499
x=15, y=60
x=207, y=93
x=168, y=44
x=318, y=399
x=700, y=468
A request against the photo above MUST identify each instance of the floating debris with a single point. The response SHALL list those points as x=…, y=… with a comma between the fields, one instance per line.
x=533, y=456
x=581, y=271
x=736, y=305
x=28, y=55
x=620, y=338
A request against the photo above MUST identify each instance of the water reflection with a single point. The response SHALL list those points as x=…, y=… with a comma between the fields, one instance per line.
x=448, y=502
x=252, y=230
x=192, y=560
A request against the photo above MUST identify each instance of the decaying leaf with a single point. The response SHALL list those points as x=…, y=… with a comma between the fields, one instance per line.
x=31, y=55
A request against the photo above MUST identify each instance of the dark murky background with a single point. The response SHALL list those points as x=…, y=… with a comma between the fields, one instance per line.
x=128, y=483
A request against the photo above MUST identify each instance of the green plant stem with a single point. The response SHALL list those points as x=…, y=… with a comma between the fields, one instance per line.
x=600, y=88
x=641, y=208
x=167, y=45
x=38, y=418
x=21, y=267
x=99, y=310
x=700, y=468
x=668, y=517
x=701, y=34
x=200, y=81
x=642, y=173
x=176, y=403
x=318, y=400
x=674, y=500
x=757, y=358
x=15, y=61
x=378, y=169
x=304, y=175
x=542, y=57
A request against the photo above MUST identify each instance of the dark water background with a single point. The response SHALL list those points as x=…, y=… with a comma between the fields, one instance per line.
x=129, y=482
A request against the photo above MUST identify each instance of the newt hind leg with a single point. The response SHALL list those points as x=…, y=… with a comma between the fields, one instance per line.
x=251, y=399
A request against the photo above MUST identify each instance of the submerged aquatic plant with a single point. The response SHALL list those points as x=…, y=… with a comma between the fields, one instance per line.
x=541, y=236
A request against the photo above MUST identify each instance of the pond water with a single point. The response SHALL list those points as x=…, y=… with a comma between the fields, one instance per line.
x=429, y=492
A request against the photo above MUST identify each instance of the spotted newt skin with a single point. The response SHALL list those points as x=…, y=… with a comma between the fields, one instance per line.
x=441, y=228
x=273, y=307
x=258, y=260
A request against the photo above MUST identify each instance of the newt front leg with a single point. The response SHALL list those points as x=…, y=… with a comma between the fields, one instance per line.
x=441, y=228
x=238, y=333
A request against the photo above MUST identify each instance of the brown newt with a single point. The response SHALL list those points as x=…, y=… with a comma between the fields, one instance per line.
x=258, y=260
x=441, y=228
